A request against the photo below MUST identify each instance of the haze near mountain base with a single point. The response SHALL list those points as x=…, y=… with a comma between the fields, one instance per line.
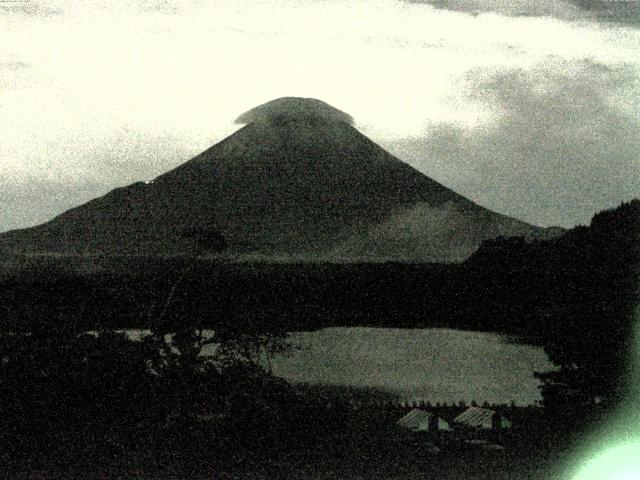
x=297, y=183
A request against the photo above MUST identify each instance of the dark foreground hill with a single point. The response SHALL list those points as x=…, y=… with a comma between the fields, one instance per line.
x=99, y=404
x=297, y=182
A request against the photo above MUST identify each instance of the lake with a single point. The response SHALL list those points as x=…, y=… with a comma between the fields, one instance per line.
x=434, y=364
x=438, y=365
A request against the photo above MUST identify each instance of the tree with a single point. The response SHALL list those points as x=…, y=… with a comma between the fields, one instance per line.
x=193, y=360
x=589, y=334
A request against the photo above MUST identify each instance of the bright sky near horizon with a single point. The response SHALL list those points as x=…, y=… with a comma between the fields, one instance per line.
x=528, y=108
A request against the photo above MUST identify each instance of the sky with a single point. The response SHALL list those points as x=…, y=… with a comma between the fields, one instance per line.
x=528, y=108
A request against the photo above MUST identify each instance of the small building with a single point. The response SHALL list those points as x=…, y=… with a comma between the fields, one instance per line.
x=418, y=420
x=482, y=418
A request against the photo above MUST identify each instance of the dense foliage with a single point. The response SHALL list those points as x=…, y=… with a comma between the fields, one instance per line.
x=575, y=295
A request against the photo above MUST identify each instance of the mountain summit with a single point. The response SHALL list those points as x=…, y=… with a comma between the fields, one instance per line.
x=294, y=107
x=297, y=182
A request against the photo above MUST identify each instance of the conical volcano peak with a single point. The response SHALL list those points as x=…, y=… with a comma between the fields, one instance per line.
x=299, y=183
x=285, y=107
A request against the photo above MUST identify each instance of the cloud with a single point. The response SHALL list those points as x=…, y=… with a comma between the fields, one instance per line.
x=623, y=11
x=13, y=65
x=15, y=74
x=563, y=144
x=31, y=8
x=162, y=6
x=527, y=8
x=36, y=8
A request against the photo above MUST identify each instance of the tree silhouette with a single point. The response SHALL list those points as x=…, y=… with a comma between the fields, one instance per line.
x=589, y=336
x=192, y=359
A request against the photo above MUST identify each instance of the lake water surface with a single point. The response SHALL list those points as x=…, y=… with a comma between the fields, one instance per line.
x=433, y=364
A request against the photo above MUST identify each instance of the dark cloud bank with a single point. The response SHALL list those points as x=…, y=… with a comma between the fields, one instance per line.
x=619, y=11
x=559, y=151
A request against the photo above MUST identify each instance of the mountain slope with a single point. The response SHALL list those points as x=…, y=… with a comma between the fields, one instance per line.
x=297, y=182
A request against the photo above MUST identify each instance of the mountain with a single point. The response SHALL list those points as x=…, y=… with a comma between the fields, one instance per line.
x=296, y=182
